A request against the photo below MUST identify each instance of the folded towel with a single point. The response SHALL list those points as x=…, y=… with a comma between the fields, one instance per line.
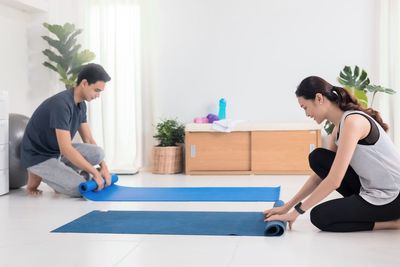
x=226, y=125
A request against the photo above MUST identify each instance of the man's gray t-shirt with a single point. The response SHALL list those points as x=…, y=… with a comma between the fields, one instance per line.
x=57, y=112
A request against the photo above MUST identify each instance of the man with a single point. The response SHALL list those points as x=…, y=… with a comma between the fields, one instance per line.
x=47, y=150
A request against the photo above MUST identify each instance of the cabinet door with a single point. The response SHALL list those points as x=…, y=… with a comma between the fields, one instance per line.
x=284, y=152
x=209, y=151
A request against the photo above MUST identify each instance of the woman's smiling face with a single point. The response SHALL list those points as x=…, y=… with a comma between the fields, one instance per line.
x=313, y=107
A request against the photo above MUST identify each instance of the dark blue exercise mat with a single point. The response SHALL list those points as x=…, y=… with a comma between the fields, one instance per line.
x=174, y=223
x=122, y=193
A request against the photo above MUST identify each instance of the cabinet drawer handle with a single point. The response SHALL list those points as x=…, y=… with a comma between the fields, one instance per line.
x=192, y=151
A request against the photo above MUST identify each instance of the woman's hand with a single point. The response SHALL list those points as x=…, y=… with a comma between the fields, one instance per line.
x=288, y=217
x=278, y=210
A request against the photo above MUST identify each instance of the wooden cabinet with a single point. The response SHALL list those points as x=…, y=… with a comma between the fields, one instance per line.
x=250, y=150
x=218, y=151
x=283, y=152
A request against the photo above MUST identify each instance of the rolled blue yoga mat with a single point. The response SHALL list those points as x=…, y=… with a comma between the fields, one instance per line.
x=122, y=193
x=92, y=185
x=275, y=228
x=174, y=223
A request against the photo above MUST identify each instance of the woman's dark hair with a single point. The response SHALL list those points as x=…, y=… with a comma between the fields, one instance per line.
x=312, y=85
x=92, y=73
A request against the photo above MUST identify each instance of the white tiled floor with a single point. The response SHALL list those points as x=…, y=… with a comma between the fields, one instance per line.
x=26, y=222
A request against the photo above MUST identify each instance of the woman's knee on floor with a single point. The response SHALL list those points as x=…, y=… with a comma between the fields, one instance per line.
x=320, y=217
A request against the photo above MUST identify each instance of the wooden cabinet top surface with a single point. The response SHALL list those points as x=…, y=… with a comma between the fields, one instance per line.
x=254, y=126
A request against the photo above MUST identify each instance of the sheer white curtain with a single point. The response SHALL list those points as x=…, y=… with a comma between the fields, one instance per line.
x=389, y=64
x=113, y=32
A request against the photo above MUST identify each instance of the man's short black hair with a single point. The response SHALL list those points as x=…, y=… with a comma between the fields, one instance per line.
x=93, y=73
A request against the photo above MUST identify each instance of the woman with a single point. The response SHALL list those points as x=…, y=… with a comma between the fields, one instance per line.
x=362, y=164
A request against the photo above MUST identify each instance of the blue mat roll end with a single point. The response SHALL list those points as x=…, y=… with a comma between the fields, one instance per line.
x=92, y=185
x=275, y=228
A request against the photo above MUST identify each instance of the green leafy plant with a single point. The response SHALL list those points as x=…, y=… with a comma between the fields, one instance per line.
x=65, y=58
x=170, y=132
x=357, y=83
x=377, y=88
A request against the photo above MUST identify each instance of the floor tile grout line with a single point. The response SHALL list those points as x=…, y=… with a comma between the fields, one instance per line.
x=130, y=251
x=233, y=253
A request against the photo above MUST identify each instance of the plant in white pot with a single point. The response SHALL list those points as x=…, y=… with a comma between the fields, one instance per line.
x=168, y=154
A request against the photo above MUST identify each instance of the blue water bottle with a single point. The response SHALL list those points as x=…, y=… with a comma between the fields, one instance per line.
x=222, y=109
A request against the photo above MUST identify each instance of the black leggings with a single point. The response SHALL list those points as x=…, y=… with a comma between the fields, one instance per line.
x=350, y=213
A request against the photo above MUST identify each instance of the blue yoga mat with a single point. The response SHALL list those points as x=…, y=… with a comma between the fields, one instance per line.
x=175, y=223
x=122, y=193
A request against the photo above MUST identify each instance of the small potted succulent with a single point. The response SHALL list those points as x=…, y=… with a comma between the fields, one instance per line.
x=168, y=154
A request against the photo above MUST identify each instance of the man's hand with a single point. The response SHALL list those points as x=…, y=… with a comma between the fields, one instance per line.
x=105, y=173
x=99, y=180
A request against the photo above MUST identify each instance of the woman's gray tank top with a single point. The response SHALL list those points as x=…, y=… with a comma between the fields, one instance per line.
x=377, y=164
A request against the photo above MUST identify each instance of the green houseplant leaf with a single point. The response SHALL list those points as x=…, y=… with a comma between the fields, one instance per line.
x=353, y=79
x=328, y=127
x=377, y=88
x=65, y=58
x=169, y=132
x=362, y=98
x=356, y=81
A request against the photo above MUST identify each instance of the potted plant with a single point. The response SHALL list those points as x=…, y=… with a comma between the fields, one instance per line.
x=358, y=84
x=65, y=57
x=168, y=154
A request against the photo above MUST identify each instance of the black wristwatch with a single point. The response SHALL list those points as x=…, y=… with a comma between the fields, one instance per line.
x=298, y=209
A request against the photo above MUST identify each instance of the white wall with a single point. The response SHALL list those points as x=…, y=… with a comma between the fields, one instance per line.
x=252, y=52
x=63, y=11
x=27, y=6
x=20, y=55
x=21, y=71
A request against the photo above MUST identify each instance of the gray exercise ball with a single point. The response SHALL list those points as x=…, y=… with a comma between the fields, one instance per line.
x=18, y=174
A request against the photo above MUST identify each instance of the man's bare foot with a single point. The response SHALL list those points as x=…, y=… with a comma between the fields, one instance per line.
x=34, y=191
x=33, y=184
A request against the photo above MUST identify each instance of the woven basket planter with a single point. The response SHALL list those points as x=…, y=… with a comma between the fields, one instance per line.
x=167, y=160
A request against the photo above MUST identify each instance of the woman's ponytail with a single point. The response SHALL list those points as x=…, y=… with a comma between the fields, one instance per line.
x=312, y=85
x=347, y=101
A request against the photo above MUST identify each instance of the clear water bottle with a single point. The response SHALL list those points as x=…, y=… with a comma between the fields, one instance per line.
x=222, y=109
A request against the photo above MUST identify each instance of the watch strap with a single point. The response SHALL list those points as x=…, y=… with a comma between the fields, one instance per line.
x=298, y=208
